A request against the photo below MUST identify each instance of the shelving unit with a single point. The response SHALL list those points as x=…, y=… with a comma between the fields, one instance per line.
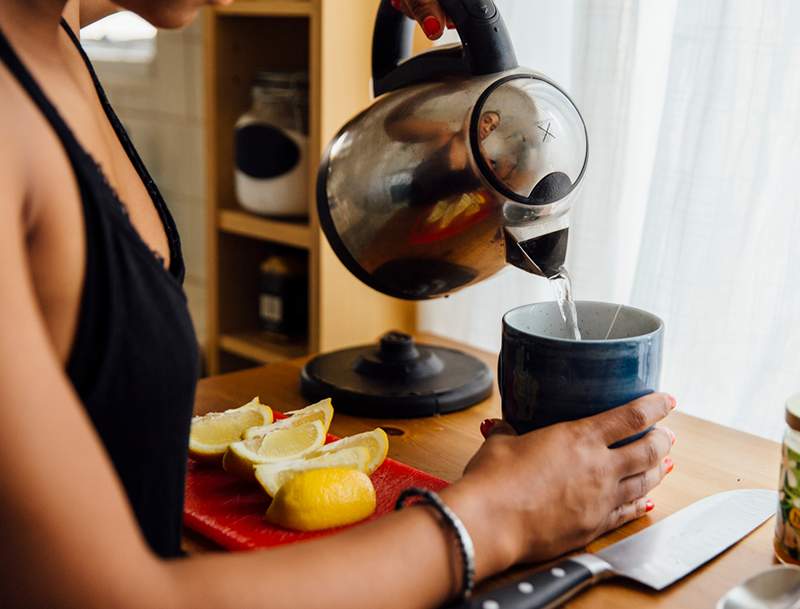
x=294, y=234
x=332, y=40
x=258, y=347
x=269, y=8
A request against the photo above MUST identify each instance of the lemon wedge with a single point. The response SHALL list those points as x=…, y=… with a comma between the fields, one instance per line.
x=323, y=498
x=271, y=476
x=375, y=441
x=321, y=411
x=280, y=442
x=211, y=434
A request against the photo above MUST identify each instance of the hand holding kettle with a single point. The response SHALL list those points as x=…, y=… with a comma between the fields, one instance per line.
x=428, y=13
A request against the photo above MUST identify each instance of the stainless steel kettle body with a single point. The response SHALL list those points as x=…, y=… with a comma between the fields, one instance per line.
x=464, y=163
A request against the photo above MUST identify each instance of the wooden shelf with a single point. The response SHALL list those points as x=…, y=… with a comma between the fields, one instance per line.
x=258, y=347
x=295, y=234
x=334, y=46
x=271, y=8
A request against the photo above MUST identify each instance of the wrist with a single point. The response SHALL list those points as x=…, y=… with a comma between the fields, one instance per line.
x=497, y=544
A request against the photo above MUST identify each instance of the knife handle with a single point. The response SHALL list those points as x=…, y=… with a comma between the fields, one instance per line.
x=541, y=590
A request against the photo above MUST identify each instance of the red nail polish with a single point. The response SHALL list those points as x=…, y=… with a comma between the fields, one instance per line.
x=396, y=4
x=649, y=505
x=671, y=435
x=431, y=26
x=486, y=427
x=669, y=464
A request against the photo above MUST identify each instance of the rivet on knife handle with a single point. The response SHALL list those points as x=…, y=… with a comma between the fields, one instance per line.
x=541, y=590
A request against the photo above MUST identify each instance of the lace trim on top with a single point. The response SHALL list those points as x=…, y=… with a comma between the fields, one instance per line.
x=123, y=209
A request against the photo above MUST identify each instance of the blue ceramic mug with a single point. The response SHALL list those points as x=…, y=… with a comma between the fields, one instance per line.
x=546, y=377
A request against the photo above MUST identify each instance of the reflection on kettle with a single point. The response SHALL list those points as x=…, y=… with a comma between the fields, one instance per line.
x=465, y=162
x=420, y=278
x=446, y=153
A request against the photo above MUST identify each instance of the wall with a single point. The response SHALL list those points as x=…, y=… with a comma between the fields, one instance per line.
x=161, y=105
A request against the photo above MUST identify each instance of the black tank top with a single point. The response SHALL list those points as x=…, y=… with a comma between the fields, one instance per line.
x=134, y=359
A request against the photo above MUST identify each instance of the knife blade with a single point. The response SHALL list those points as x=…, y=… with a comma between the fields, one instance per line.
x=656, y=557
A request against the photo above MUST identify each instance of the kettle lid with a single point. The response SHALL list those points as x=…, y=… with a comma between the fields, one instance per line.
x=528, y=139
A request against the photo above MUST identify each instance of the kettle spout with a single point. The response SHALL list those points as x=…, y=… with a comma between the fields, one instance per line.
x=543, y=255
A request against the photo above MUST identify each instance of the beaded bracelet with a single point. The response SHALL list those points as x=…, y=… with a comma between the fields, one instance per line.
x=465, y=545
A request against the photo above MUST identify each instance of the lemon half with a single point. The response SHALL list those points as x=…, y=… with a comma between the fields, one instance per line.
x=323, y=498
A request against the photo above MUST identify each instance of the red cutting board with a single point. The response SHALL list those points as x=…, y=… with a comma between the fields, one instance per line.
x=230, y=511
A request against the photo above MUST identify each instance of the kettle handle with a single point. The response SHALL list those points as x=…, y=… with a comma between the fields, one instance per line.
x=486, y=46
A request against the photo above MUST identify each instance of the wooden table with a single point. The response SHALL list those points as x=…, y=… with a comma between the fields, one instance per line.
x=708, y=458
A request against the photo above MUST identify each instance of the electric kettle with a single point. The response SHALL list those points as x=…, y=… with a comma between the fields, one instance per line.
x=465, y=162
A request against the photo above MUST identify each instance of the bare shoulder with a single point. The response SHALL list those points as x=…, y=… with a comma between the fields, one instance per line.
x=13, y=151
x=32, y=166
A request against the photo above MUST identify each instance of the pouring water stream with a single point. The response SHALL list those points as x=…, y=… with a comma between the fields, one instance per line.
x=562, y=286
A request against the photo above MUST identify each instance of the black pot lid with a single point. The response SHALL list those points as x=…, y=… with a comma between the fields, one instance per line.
x=397, y=379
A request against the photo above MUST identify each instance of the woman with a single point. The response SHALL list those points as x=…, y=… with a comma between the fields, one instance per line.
x=97, y=374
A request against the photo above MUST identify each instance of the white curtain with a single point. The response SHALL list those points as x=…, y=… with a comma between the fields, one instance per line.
x=690, y=206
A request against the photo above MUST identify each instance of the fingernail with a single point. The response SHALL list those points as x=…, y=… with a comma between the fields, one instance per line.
x=673, y=403
x=450, y=25
x=671, y=435
x=486, y=427
x=669, y=464
x=431, y=26
x=649, y=505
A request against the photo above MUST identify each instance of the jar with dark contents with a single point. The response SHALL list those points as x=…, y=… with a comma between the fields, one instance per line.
x=787, y=521
x=271, y=147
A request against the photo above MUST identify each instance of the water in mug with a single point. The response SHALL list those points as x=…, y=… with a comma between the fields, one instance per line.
x=562, y=286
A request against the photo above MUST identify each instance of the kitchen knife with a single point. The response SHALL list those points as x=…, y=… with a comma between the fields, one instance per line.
x=657, y=556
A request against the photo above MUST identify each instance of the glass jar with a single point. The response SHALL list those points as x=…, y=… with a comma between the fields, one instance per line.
x=271, y=146
x=787, y=522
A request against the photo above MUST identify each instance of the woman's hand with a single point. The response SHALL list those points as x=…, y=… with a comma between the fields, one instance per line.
x=428, y=13
x=558, y=488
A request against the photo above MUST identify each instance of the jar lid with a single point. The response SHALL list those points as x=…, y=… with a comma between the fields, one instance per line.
x=282, y=265
x=793, y=412
x=282, y=80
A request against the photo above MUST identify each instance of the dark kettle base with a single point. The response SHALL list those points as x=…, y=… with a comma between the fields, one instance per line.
x=390, y=383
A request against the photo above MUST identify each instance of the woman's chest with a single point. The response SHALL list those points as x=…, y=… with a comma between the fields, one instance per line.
x=86, y=251
x=70, y=88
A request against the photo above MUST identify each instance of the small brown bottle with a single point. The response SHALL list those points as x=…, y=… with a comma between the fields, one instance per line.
x=283, y=297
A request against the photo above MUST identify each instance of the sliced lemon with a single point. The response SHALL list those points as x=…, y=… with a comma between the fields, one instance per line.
x=279, y=443
x=212, y=433
x=272, y=476
x=323, y=498
x=321, y=411
x=375, y=441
